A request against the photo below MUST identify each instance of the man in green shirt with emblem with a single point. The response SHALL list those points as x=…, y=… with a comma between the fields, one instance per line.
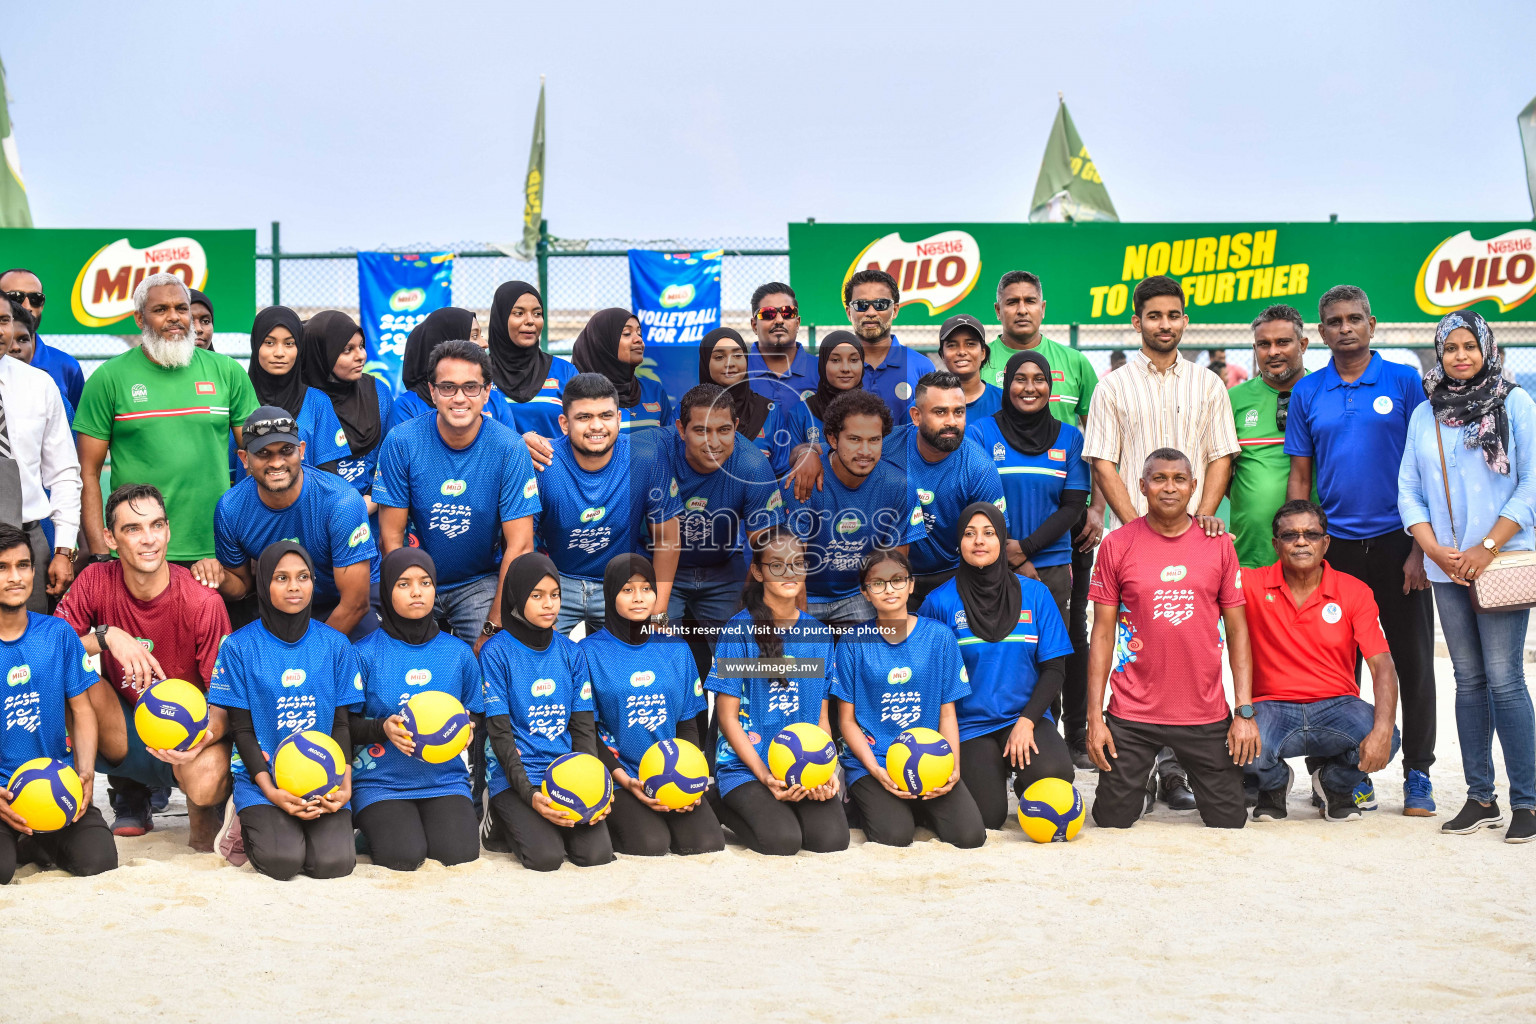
x=1259, y=405
x=165, y=411
x=1020, y=309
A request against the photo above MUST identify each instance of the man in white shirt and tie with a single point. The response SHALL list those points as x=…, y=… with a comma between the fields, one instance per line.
x=39, y=470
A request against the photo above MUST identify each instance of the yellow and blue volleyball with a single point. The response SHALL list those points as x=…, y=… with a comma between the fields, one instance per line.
x=674, y=772
x=919, y=761
x=439, y=725
x=1051, y=811
x=580, y=785
x=802, y=755
x=171, y=715
x=308, y=764
x=46, y=793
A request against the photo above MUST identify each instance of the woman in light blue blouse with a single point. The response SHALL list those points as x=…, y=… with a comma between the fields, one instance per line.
x=1482, y=428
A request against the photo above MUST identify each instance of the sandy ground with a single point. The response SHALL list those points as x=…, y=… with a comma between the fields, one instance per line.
x=1299, y=920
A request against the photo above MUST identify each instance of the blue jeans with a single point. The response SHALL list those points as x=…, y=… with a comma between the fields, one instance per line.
x=581, y=601
x=467, y=606
x=1488, y=655
x=845, y=611
x=709, y=595
x=1330, y=730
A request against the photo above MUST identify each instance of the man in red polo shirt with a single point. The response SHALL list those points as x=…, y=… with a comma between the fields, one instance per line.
x=1306, y=621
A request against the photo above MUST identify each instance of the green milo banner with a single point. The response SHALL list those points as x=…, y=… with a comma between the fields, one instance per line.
x=89, y=274
x=1230, y=272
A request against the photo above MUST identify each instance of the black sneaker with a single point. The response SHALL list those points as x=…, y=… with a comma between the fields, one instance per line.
x=1080, y=758
x=1250, y=790
x=1338, y=805
x=1270, y=804
x=1522, y=827
x=1474, y=816
x=1174, y=786
x=159, y=799
x=491, y=837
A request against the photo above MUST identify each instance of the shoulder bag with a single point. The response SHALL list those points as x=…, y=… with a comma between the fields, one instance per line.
x=1509, y=582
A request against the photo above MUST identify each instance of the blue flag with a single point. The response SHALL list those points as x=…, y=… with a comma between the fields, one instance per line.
x=395, y=292
x=676, y=295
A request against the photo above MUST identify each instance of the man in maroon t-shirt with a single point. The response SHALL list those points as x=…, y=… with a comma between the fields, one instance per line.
x=150, y=620
x=1161, y=590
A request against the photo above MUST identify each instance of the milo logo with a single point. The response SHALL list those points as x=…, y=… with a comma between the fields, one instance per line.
x=418, y=677
x=898, y=675
x=453, y=488
x=775, y=500
x=592, y=515
x=917, y=515
x=358, y=536
x=643, y=678
x=18, y=675
x=530, y=488
x=848, y=524
x=341, y=437
x=1173, y=573
x=586, y=690
x=696, y=504
x=404, y=300
x=926, y=497
x=294, y=677
x=542, y=687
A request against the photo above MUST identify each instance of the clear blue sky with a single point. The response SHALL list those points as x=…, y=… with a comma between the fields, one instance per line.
x=373, y=124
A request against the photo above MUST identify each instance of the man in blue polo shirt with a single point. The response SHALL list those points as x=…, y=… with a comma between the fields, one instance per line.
x=1347, y=427
x=277, y=501
x=598, y=490
x=25, y=287
x=891, y=370
x=778, y=365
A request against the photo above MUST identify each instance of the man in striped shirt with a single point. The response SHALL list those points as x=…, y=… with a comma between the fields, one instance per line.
x=1259, y=409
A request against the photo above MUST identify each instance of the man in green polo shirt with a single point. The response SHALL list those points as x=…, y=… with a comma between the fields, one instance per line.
x=1259, y=404
x=165, y=411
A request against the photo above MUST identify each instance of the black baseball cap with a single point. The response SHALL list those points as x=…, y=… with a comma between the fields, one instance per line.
x=961, y=320
x=268, y=425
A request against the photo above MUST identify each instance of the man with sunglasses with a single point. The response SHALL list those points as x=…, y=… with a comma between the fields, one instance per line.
x=1306, y=623
x=778, y=366
x=23, y=286
x=1259, y=409
x=277, y=501
x=891, y=370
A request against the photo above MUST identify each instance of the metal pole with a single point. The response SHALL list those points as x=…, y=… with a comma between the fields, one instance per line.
x=1074, y=335
x=542, y=251
x=277, y=265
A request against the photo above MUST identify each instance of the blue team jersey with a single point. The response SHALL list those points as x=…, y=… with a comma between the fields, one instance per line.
x=358, y=471
x=409, y=405
x=640, y=692
x=944, y=488
x=539, y=691
x=394, y=672
x=287, y=688
x=895, y=380
x=318, y=428
x=767, y=707
x=894, y=687
x=585, y=519
x=541, y=413
x=988, y=403
x=840, y=526
x=63, y=368
x=44, y=668
x=457, y=497
x=1003, y=674
x=787, y=427
x=1033, y=484
x=653, y=410
x=722, y=507
x=792, y=387
x=329, y=519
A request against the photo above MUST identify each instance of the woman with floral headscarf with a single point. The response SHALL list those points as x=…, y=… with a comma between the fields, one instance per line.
x=1474, y=443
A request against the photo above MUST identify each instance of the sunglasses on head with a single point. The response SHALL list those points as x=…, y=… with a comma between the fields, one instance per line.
x=774, y=312
x=276, y=425
x=35, y=298
x=865, y=305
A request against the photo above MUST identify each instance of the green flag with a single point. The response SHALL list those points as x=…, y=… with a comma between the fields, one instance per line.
x=14, y=211
x=1527, y=123
x=533, y=187
x=1069, y=187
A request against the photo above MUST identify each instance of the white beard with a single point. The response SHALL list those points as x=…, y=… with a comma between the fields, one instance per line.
x=167, y=352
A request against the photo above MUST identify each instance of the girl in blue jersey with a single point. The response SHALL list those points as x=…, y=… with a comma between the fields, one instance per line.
x=277, y=341
x=538, y=707
x=281, y=675
x=726, y=365
x=613, y=345
x=840, y=368
x=415, y=399
x=529, y=378
x=646, y=689
x=895, y=673
x=333, y=360
x=767, y=815
x=410, y=809
x=1015, y=649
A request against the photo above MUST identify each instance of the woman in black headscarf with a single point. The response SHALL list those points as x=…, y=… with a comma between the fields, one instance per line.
x=281, y=675
x=726, y=365
x=332, y=360
x=613, y=345
x=839, y=368
x=409, y=808
x=277, y=341
x=646, y=690
x=1014, y=646
x=526, y=736
x=522, y=372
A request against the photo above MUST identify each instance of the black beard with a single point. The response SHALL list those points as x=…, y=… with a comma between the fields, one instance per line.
x=942, y=442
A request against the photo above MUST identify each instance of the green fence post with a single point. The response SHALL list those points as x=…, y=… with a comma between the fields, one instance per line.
x=542, y=251
x=277, y=264
x=1074, y=336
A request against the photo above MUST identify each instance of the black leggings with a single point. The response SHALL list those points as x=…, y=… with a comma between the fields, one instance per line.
x=778, y=829
x=985, y=771
x=891, y=821
x=540, y=844
x=402, y=834
x=280, y=845
x=83, y=847
x=639, y=831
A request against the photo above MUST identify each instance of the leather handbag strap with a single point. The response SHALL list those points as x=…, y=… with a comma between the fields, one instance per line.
x=1445, y=478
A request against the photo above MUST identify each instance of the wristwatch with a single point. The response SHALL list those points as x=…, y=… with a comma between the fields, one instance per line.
x=1488, y=543
x=489, y=629
x=101, y=636
x=1244, y=711
x=66, y=552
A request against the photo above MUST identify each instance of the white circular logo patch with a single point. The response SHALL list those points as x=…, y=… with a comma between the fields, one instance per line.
x=903, y=391
x=1383, y=404
x=1173, y=573
x=1331, y=612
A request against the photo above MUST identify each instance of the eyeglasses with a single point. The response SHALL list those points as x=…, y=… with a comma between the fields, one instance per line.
x=774, y=312
x=792, y=568
x=1310, y=536
x=277, y=425
x=896, y=583
x=878, y=305
x=449, y=390
x=35, y=298
x=1282, y=408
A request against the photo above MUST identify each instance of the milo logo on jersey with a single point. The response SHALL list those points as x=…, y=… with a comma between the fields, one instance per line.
x=696, y=504
x=18, y=675
x=531, y=488
x=898, y=675
x=542, y=687
x=848, y=524
x=294, y=677
x=592, y=515
x=418, y=677
x=358, y=536
x=642, y=678
x=925, y=497
x=453, y=488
